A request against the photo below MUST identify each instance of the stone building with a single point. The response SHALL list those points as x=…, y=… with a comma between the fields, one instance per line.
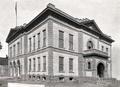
x=3, y=66
x=55, y=44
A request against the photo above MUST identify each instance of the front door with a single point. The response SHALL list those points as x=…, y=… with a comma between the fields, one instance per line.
x=100, y=70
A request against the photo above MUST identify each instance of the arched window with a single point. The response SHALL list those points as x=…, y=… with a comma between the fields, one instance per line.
x=10, y=64
x=11, y=69
x=89, y=45
x=18, y=68
x=14, y=68
x=89, y=65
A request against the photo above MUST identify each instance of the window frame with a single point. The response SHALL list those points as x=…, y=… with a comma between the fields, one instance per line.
x=102, y=48
x=44, y=38
x=89, y=65
x=10, y=51
x=61, y=64
x=14, y=50
x=61, y=39
x=71, y=42
x=38, y=40
x=90, y=45
x=30, y=62
x=39, y=64
x=71, y=65
x=44, y=64
x=34, y=64
x=30, y=44
x=18, y=48
x=34, y=43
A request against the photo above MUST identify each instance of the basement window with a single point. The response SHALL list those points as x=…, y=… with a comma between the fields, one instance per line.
x=61, y=78
x=38, y=77
x=33, y=76
x=71, y=78
x=44, y=78
x=30, y=76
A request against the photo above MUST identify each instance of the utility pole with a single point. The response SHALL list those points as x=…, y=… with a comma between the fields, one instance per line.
x=16, y=11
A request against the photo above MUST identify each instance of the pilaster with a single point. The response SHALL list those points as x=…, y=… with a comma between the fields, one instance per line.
x=50, y=44
x=25, y=57
x=94, y=66
x=80, y=56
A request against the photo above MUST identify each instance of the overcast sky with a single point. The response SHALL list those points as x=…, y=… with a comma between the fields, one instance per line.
x=106, y=13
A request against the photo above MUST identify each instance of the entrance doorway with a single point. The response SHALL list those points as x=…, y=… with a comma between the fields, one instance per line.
x=100, y=70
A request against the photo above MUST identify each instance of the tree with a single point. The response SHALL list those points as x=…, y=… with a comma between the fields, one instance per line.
x=0, y=46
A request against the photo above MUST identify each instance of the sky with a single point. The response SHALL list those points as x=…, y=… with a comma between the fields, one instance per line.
x=106, y=13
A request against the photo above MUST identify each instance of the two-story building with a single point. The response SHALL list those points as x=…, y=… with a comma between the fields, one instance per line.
x=55, y=44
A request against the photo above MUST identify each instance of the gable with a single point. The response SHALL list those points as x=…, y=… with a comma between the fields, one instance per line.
x=93, y=26
x=12, y=31
x=51, y=10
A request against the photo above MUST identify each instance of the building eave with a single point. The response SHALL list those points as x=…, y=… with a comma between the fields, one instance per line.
x=51, y=10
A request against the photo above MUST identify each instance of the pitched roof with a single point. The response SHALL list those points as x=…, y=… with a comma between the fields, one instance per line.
x=53, y=11
x=13, y=31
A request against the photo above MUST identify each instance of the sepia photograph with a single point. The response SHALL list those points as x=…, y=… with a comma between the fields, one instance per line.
x=60, y=43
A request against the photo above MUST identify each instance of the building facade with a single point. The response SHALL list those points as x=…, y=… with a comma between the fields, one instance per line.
x=55, y=44
x=3, y=67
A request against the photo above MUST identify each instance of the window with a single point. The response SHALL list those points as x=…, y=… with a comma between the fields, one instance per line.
x=90, y=45
x=10, y=51
x=70, y=65
x=29, y=65
x=44, y=63
x=89, y=65
x=70, y=41
x=71, y=78
x=34, y=64
x=102, y=48
x=61, y=39
x=43, y=78
x=61, y=78
x=38, y=40
x=61, y=64
x=107, y=50
x=38, y=63
x=14, y=49
x=18, y=48
x=21, y=45
x=38, y=77
x=29, y=44
x=44, y=38
x=34, y=43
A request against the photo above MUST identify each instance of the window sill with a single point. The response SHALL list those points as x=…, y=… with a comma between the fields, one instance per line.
x=44, y=71
x=38, y=48
x=39, y=71
x=89, y=69
x=61, y=71
x=71, y=50
x=71, y=72
x=44, y=46
x=62, y=48
x=33, y=71
x=33, y=50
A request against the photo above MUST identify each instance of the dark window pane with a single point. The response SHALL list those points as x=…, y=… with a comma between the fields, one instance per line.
x=71, y=65
x=44, y=63
x=61, y=64
x=44, y=38
x=61, y=39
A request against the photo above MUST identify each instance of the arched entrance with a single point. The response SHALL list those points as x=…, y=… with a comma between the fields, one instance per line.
x=100, y=70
